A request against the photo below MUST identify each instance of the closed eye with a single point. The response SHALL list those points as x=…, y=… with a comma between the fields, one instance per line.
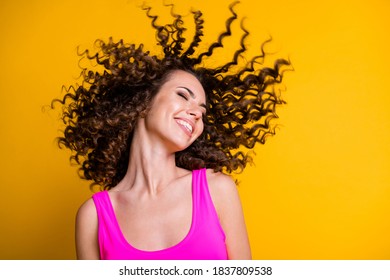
x=182, y=94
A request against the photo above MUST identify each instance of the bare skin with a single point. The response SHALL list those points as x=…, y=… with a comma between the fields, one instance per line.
x=153, y=202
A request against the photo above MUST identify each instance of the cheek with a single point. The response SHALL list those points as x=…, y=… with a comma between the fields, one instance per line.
x=200, y=129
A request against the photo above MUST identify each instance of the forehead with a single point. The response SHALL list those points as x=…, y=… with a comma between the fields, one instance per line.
x=183, y=79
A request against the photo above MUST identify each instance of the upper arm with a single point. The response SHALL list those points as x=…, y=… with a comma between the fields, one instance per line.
x=228, y=205
x=87, y=247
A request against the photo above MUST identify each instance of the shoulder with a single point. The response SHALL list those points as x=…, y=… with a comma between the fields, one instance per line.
x=87, y=212
x=223, y=189
x=220, y=183
x=87, y=207
x=86, y=231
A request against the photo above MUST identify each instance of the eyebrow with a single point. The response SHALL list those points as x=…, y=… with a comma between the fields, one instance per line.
x=193, y=96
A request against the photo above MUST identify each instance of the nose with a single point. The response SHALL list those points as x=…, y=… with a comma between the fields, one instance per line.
x=195, y=112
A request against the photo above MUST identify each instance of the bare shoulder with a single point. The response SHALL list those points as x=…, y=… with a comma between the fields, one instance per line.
x=220, y=183
x=87, y=210
x=86, y=231
x=219, y=180
x=223, y=189
x=86, y=218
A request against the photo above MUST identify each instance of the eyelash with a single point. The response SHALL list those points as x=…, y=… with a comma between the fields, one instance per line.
x=182, y=95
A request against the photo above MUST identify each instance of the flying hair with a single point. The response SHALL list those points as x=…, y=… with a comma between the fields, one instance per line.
x=101, y=113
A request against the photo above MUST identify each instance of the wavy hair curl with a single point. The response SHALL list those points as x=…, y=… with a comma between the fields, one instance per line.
x=100, y=114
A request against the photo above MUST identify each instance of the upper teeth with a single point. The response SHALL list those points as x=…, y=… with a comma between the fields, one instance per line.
x=186, y=125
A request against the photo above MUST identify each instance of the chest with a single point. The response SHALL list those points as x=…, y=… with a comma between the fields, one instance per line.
x=156, y=223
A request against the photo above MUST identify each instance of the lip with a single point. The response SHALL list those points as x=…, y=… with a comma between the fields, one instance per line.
x=191, y=123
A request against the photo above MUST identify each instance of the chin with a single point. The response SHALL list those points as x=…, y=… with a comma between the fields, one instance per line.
x=182, y=146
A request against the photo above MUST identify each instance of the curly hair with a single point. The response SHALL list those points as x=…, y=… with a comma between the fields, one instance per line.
x=100, y=114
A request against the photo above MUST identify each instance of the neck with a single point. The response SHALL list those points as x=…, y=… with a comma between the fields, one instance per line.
x=151, y=166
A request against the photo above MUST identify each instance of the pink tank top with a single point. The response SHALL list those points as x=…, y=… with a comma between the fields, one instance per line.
x=204, y=241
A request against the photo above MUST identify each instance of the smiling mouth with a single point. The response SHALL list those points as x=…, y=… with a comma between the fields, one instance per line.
x=186, y=126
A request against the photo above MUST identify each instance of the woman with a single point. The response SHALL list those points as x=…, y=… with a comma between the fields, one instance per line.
x=158, y=134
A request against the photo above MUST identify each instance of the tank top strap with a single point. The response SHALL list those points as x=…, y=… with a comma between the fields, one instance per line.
x=107, y=224
x=204, y=210
x=100, y=200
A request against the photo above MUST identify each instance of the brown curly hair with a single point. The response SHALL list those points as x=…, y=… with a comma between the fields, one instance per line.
x=100, y=114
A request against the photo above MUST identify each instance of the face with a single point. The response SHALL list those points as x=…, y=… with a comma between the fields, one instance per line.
x=175, y=117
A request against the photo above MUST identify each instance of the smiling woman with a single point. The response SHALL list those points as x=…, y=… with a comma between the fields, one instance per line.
x=180, y=103
x=159, y=135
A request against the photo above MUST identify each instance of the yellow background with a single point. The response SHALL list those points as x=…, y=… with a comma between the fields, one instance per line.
x=320, y=189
